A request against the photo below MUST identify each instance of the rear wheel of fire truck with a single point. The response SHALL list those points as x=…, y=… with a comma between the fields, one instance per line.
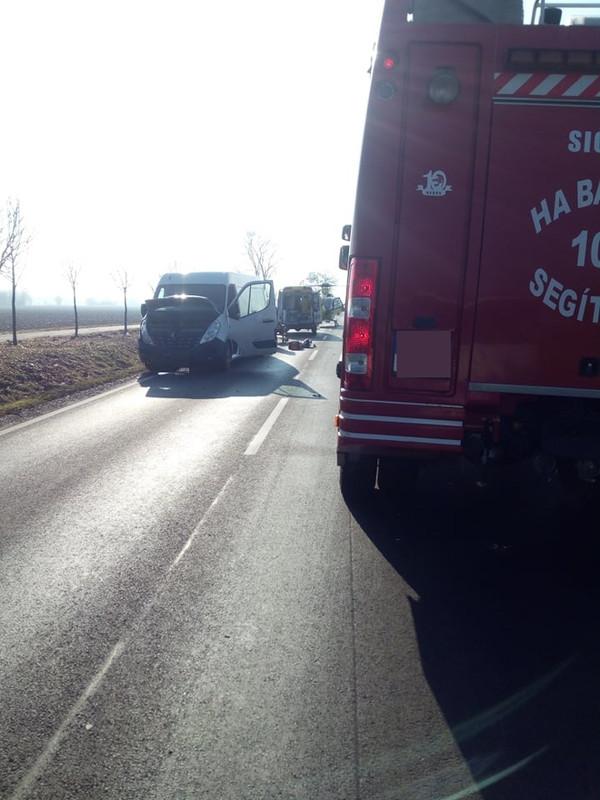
x=397, y=476
x=357, y=479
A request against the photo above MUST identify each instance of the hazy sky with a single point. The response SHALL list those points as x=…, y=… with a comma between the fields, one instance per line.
x=139, y=133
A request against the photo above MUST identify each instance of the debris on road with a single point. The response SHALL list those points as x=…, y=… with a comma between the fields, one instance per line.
x=300, y=345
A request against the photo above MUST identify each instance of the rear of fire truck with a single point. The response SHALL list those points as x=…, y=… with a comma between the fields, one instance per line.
x=473, y=305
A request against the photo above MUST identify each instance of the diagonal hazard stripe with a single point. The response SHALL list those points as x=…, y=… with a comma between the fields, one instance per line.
x=581, y=84
x=543, y=85
x=514, y=83
x=546, y=85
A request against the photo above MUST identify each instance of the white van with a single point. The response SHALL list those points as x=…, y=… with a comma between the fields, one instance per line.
x=209, y=318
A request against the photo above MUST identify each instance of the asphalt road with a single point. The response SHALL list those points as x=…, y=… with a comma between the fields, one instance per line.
x=189, y=609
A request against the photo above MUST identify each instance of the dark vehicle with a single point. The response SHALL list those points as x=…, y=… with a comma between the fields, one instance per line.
x=299, y=308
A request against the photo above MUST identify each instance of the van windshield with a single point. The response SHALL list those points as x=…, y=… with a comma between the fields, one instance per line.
x=214, y=291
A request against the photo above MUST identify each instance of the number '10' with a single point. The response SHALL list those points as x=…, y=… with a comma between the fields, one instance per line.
x=581, y=243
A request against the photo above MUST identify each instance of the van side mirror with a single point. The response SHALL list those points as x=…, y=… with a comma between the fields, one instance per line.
x=143, y=309
x=234, y=310
x=346, y=232
x=344, y=256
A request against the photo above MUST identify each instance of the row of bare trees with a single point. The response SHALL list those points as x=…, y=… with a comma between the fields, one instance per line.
x=14, y=239
x=120, y=277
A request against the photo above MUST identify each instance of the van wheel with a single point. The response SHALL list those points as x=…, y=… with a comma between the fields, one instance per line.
x=223, y=364
x=357, y=479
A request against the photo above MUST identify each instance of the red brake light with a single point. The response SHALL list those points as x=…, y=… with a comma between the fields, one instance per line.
x=365, y=287
x=358, y=358
x=359, y=336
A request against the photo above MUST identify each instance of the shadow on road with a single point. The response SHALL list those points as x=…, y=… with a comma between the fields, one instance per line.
x=507, y=621
x=325, y=333
x=250, y=377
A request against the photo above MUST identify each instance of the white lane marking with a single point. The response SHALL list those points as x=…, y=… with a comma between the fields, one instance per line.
x=63, y=410
x=51, y=748
x=53, y=745
x=313, y=355
x=255, y=444
x=196, y=530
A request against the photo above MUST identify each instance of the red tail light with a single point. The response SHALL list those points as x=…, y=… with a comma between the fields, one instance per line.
x=358, y=351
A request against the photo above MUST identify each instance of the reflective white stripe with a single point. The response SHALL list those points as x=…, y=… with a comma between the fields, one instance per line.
x=555, y=391
x=580, y=85
x=546, y=86
x=407, y=439
x=514, y=84
x=397, y=403
x=444, y=423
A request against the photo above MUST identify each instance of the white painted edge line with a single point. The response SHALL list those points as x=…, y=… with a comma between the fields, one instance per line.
x=255, y=444
x=196, y=530
x=313, y=355
x=64, y=409
x=22, y=788
x=51, y=748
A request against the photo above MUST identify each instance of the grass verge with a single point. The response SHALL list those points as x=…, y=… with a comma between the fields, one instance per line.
x=40, y=370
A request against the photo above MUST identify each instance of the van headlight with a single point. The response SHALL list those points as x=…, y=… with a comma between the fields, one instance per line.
x=211, y=332
x=144, y=335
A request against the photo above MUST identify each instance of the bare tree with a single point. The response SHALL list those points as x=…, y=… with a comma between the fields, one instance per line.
x=262, y=255
x=121, y=278
x=72, y=274
x=12, y=243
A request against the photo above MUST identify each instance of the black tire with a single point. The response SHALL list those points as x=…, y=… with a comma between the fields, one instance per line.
x=224, y=363
x=357, y=479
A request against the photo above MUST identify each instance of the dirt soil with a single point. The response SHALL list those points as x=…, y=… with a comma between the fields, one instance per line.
x=40, y=370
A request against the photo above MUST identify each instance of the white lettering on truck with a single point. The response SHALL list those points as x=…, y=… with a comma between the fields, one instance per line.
x=571, y=303
x=586, y=194
x=548, y=211
x=568, y=302
x=584, y=141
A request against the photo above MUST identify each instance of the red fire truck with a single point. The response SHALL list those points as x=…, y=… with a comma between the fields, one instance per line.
x=473, y=301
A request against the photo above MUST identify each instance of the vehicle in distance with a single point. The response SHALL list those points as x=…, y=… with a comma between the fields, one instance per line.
x=299, y=308
x=473, y=305
x=331, y=308
x=206, y=319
